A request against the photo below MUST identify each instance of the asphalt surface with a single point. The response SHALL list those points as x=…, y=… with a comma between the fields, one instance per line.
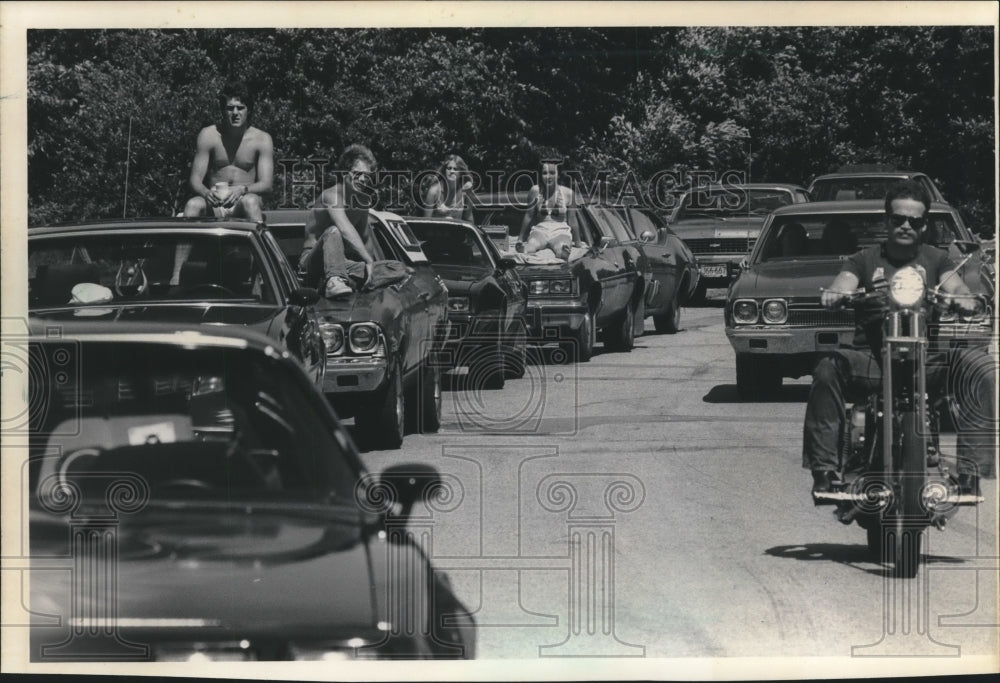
x=635, y=506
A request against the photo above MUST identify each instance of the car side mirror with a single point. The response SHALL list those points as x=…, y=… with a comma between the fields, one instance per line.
x=647, y=236
x=404, y=485
x=506, y=263
x=603, y=244
x=304, y=296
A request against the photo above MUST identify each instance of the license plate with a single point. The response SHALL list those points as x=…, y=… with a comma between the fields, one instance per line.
x=728, y=232
x=713, y=271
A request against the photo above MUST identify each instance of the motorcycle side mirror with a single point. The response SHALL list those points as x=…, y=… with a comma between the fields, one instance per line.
x=303, y=296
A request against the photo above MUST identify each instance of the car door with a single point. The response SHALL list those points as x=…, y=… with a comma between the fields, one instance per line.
x=664, y=263
x=514, y=288
x=300, y=326
x=615, y=267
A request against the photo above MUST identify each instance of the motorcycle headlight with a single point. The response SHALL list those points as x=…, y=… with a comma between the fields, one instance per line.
x=745, y=311
x=364, y=337
x=458, y=304
x=333, y=337
x=907, y=287
x=774, y=311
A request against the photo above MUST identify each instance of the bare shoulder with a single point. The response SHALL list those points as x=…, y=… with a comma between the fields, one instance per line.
x=259, y=137
x=331, y=196
x=209, y=134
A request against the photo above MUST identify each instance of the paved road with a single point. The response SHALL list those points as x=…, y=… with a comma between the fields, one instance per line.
x=633, y=505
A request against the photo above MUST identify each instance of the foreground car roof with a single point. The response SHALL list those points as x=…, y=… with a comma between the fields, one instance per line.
x=854, y=206
x=142, y=223
x=232, y=336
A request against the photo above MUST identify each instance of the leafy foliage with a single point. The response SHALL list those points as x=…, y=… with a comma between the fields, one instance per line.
x=622, y=105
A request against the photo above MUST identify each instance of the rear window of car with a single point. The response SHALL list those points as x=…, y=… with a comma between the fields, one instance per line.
x=731, y=201
x=841, y=189
x=825, y=236
x=450, y=244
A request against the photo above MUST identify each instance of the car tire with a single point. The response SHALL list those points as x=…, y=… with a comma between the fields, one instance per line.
x=429, y=402
x=582, y=349
x=757, y=377
x=488, y=368
x=382, y=422
x=670, y=321
x=621, y=336
x=516, y=358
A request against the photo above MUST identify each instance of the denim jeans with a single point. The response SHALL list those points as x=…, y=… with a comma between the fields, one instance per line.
x=853, y=374
x=327, y=259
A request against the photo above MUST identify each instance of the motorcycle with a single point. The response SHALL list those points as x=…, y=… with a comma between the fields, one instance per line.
x=893, y=482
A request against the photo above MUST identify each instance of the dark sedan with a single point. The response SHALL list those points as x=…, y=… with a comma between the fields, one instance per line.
x=381, y=366
x=774, y=320
x=194, y=498
x=232, y=273
x=674, y=276
x=487, y=300
x=601, y=288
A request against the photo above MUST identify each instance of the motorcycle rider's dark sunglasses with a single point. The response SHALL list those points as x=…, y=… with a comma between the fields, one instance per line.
x=916, y=222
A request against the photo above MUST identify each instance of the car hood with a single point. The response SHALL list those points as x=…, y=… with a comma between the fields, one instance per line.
x=786, y=278
x=456, y=275
x=258, y=316
x=736, y=226
x=228, y=572
x=531, y=270
x=361, y=306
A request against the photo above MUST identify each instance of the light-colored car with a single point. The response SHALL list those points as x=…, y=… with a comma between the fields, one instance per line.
x=774, y=320
x=720, y=224
x=851, y=186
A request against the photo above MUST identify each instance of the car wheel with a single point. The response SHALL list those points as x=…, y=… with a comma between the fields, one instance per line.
x=621, y=337
x=756, y=377
x=486, y=371
x=429, y=406
x=582, y=349
x=669, y=322
x=383, y=422
x=516, y=357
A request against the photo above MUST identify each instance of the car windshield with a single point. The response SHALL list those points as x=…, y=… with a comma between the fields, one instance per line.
x=824, y=236
x=448, y=244
x=841, y=189
x=721, y=202
x=216, y=424
x=139, y=267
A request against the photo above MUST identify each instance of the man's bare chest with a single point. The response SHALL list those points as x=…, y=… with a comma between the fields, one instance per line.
x=240, y=153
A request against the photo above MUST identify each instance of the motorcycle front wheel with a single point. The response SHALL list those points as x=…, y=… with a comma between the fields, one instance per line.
x=902, y=542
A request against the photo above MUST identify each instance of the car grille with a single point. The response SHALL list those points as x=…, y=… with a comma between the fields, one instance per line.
x=820, y=318
x=729, y=245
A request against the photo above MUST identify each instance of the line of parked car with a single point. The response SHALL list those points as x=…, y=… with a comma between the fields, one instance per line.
x=222, y=385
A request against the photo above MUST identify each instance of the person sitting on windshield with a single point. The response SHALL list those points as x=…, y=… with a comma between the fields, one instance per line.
x=339, y=220
x=852, y=373
x=549, y=221
x=445, y=193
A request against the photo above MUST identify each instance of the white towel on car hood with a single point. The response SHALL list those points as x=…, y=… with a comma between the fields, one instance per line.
x=547, y=256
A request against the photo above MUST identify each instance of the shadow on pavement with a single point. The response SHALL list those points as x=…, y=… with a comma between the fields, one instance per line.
x=727, y=393
x=848, y=555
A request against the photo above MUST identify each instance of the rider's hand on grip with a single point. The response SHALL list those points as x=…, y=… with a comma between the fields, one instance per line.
x=834, y=299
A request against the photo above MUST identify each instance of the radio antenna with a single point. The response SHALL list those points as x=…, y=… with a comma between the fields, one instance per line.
x=128, y=153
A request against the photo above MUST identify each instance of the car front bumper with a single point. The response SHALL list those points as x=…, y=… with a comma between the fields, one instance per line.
x=782, y=340
x=551, y=321
x=354, y=375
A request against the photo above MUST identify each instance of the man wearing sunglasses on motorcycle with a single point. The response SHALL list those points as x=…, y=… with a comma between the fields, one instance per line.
x=849, y=373
x=338, y=225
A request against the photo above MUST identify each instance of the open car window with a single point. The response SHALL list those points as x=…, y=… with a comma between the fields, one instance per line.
x=212, y=424
x=823, y=236
x=139, y=267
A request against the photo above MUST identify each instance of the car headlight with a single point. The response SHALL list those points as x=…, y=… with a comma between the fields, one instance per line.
x=774, y=311
x=538, y=287
x=333, y=337
x=458, y=304
x=364, y=337
x=907, y=286
x=745, y=311
x=562, y=287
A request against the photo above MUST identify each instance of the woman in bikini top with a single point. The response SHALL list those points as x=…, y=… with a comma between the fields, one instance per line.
x=549, y=225
x=448, y=199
